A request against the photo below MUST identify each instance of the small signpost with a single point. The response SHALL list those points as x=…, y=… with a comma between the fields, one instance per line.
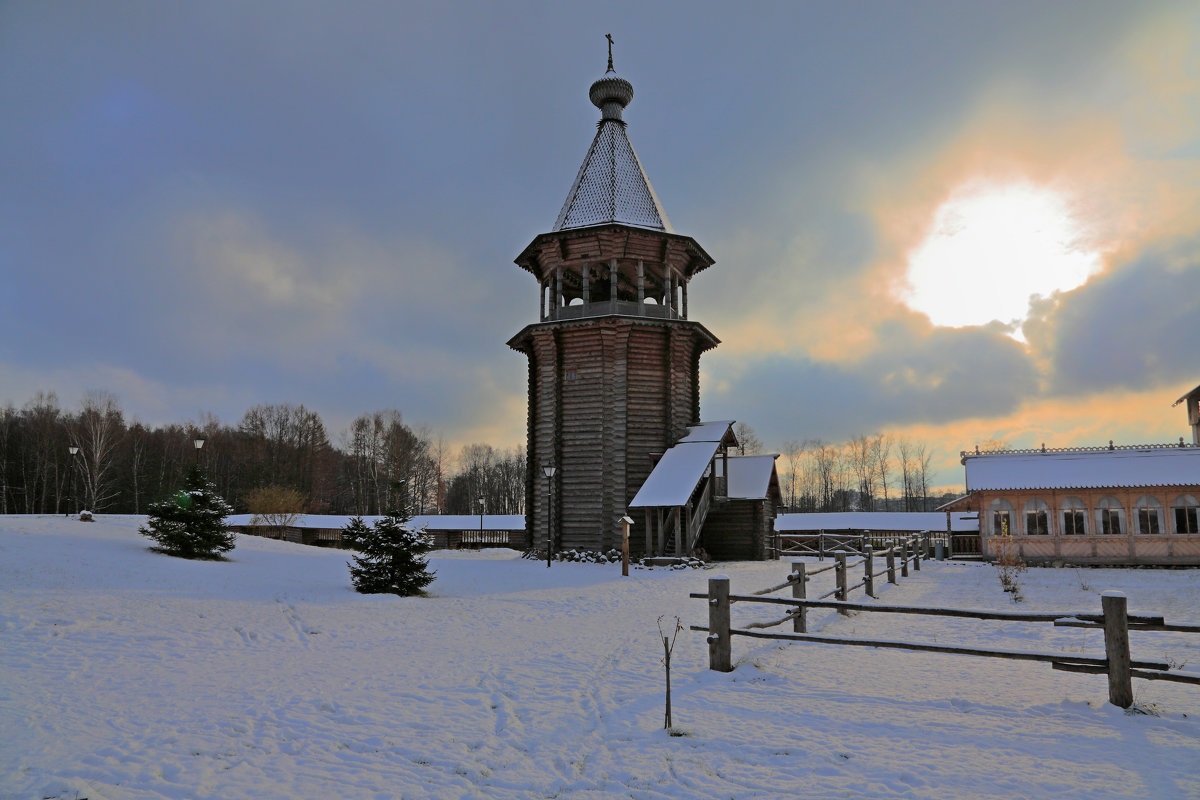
x=625, y=523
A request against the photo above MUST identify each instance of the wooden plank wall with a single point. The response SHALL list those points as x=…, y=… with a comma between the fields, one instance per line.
x=736, y=530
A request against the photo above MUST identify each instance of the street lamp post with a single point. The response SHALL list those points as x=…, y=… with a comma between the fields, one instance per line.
x=74, y=451
x=481, y=520
x=549, y=471
x=198, y=443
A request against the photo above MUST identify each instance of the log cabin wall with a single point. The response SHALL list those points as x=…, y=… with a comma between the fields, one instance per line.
x=738, y=530
x=606, y=396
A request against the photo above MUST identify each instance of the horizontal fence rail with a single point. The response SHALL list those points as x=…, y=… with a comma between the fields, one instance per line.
x=825, y=543
x=1114, y=619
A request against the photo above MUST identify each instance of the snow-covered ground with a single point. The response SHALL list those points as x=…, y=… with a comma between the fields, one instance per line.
x=129, y=674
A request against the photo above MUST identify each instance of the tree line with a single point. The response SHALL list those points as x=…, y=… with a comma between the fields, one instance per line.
x=56, y=461
x=871, y=472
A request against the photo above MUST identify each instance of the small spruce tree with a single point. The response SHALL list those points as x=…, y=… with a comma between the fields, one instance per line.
x=392, y=557
x=191, y=524
x=354, y=533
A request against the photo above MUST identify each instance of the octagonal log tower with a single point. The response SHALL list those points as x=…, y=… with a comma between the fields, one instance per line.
x=614, y=361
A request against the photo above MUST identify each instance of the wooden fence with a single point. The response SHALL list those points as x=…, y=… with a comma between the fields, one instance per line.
x=823, y=543
x=1114, y=619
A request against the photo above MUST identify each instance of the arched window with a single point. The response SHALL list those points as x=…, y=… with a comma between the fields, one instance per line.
x=1110, y=516
x=1185, y=510
x=1037, y=518
x=1149, y=515
x=1074, y=517
x=1002, y=518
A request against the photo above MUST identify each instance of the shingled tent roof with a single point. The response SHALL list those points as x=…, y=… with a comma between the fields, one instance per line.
x=611, y=185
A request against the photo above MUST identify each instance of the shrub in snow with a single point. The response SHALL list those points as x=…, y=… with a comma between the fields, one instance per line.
x=191, y=524
x=275, y=507
x=1009, y=564
x=392, y=556
x=85, y=516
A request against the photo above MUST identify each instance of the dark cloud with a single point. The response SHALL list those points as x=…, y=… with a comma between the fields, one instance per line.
x=918, y=376
x=1136, y=328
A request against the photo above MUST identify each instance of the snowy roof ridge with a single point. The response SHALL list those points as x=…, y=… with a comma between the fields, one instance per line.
x=1110, y=447
x=714, y=431
x=1083, y=468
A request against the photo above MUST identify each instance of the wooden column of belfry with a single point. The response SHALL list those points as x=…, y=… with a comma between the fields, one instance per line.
x=613, y=369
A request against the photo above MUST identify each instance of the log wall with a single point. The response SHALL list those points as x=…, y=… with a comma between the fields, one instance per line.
x=607, y=395
x=738, y=530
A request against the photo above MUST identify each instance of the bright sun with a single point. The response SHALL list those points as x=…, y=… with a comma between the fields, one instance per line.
x=991, y=250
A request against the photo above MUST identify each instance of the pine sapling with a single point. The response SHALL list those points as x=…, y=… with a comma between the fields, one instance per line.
x=354, y=533
x=191, y=524
x=391, y=557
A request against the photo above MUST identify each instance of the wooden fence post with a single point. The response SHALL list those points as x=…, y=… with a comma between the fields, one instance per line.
x=904, y=558
x=869, y=570
x=891, y=562
x=821, y=546
x=840, y=572
x=1116, y=647
x=625, y=523
x=862, y=543
x=719, y=657
x=799, y=592
x=917, y=554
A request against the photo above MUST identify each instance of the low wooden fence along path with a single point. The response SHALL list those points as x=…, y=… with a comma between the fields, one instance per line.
x=1114, y=619
x=824, y=543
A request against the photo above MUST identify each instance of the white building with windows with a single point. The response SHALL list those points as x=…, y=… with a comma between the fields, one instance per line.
x=1136, y=504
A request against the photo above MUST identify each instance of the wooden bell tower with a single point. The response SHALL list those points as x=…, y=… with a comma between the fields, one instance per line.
x=613, y=360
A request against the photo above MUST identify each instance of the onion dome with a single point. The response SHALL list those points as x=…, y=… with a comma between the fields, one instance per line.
x=611, y=185
x=610, y=94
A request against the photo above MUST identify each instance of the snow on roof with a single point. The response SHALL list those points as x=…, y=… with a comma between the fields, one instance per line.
x=708, y=431
x=750, y=476
x=876, y=521
x=676, y=475
x=1186, y=396
x=1152, y=465
x=612, y=186
x=430, y=522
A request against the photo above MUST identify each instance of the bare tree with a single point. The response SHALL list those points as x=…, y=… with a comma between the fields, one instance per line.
x=99, y=430
x=862, y=462
x=748, y=442
x=881, y=452
x=830, y=475
x=793, y=452
x=923, y=456
x=137, y=436
x=8, y=423
x=907, y=472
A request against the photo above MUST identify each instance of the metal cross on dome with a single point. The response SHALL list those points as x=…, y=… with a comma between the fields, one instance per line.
x=610, y=44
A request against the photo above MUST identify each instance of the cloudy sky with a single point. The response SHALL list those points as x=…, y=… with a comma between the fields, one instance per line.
x=955, y=222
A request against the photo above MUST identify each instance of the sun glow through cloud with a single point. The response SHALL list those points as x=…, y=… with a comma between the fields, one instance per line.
x=991, y=250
